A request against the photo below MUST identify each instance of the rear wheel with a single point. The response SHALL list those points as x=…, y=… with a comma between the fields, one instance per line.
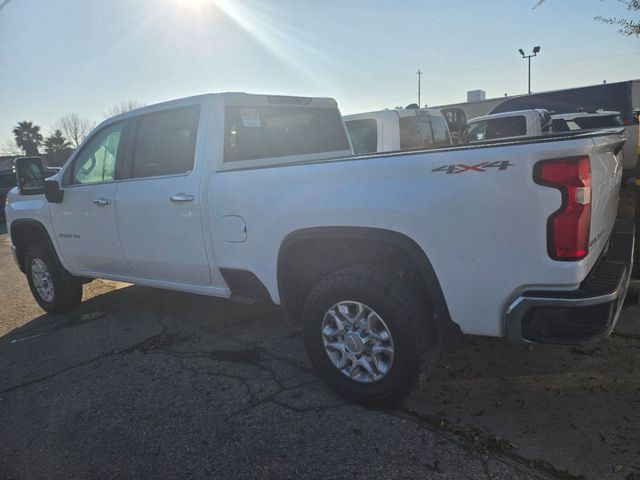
x=367, y=333
x=55, y=289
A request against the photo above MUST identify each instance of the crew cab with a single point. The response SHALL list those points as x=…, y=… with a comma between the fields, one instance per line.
x=509, y=125
x=400, y=129
x=382, y=257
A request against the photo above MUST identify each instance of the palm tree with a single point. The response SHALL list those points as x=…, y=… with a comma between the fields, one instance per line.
x=28, y=137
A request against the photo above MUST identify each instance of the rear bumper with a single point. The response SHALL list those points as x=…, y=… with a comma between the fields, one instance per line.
x=581, y=316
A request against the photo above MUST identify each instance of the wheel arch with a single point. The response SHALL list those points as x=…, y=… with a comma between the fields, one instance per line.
x=381, y=241
x=24, y=232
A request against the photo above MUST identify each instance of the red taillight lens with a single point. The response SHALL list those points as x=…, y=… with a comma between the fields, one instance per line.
x=568, y=228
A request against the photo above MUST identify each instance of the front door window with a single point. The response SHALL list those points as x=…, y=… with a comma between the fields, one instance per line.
x=96, y=162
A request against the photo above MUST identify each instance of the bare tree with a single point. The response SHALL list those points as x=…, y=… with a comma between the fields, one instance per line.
x=630, y=27
x=74, y=128
x=122, y=107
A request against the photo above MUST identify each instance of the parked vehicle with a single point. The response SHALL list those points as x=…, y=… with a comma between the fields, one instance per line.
x=393, y=130
x=381, y=257
x=617, y=97
x=586, y=121
x=7, y=182
x=509, y=125
x=457, y=122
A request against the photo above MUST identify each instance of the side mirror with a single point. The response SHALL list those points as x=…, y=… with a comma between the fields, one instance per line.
x=30, y=175
x=52, y=191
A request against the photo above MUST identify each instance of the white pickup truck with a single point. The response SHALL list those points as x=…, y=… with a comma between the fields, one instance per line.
x=509, y=125
x=394, y=130
x=383, y=258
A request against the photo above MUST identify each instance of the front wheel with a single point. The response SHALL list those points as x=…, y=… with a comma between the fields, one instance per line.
x=55, y=289
x=367, y=333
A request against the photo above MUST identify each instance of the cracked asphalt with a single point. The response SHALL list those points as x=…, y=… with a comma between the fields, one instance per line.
x=145, y=383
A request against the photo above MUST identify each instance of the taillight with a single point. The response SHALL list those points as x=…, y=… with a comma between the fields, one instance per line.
x=568, y=228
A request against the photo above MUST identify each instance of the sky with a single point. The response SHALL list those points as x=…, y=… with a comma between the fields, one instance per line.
x=83, y=56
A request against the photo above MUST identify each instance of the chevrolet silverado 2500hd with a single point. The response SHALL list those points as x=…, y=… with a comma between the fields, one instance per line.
x=379, y=256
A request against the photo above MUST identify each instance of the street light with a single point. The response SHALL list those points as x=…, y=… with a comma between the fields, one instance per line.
x=536, y=50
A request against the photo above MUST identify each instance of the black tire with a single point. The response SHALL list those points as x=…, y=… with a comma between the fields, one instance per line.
x=405, y=314
x=67, y=289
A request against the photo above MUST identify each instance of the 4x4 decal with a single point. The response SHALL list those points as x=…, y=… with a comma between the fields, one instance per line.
x=480, y=167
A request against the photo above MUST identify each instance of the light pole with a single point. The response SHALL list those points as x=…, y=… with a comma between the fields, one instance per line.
x=419, y=75
x=536, y=50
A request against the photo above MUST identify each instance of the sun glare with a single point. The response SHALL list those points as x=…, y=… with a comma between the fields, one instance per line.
x=306, y=54
x=193, y=5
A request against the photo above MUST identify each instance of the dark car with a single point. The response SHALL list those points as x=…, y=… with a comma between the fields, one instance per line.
x=7, y=182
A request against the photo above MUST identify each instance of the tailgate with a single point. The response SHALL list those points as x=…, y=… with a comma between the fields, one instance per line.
x=606, y=175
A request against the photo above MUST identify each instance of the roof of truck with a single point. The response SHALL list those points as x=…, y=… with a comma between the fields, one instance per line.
x=401, y=112
x=539, y=111
x=570, y=116
x=234, y=98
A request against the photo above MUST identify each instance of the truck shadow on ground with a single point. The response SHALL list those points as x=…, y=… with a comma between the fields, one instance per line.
x=137, y=360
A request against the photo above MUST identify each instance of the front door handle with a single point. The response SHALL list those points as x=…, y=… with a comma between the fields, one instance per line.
x=102, y=202
x=182, y=197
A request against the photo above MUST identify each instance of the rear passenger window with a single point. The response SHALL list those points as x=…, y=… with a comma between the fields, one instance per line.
x=165, y=143
x=415, y=132
x=440, y=132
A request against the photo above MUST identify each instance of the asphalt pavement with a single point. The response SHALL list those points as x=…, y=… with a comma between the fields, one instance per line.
x=146, y=383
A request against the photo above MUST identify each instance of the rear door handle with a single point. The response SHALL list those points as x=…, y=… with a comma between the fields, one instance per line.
x=182, y=197
x=102, y=202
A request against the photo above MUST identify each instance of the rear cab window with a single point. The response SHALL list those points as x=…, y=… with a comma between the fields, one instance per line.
x=423, y=131
x=495, y=128
x=278, y=131
x=599, y=121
